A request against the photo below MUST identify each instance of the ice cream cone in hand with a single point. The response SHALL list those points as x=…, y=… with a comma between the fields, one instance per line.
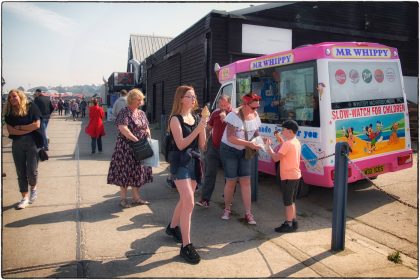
x=205, y=113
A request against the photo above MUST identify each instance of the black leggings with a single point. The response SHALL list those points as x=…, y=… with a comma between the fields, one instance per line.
x=25, y=156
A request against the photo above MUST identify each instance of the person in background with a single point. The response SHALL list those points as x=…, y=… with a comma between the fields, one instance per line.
x=46, y=107
x=60, y=107
x=74, y=107
x=78, y=107
x=290, y=174
x=216, y=126
x=95, y=128
x=66, y=106
x=22, y=119
x=189, y=134
x=119, y=104
x=83, y=105
x=124, y=169
x=232, y=151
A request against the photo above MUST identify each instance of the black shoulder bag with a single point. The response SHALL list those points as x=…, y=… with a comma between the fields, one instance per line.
x=141, y=149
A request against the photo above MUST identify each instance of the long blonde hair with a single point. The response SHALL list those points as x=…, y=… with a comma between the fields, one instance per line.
x=177, y=105
x=22, y=109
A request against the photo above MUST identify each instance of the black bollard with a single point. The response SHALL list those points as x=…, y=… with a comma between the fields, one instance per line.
x=340, y=197
x=254, y=178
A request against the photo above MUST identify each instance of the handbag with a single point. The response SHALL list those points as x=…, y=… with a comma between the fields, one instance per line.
x=141, y=149
x=43, y=156
x=249, y=152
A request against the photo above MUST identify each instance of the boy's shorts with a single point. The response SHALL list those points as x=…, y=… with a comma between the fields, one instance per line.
x=289, y=189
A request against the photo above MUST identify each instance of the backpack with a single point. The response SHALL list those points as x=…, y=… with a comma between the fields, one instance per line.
x=169, y=142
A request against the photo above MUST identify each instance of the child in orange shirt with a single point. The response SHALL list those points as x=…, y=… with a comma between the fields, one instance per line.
x=290, y=174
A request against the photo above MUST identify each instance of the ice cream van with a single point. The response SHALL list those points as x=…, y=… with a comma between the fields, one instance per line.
x=337, y=92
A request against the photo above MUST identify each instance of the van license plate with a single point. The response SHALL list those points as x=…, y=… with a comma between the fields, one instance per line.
x=373, y=170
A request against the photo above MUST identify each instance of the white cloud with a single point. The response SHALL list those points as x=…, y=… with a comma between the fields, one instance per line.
x=47, y=18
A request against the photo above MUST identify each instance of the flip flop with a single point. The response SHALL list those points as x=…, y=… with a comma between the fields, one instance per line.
x=124, y=203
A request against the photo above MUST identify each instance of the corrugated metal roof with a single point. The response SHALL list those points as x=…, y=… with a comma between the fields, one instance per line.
x=143, y=46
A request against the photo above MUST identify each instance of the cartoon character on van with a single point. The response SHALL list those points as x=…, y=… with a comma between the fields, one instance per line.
x=393, y=138
x=374, y=136
x=349, y=133
x=378, y=131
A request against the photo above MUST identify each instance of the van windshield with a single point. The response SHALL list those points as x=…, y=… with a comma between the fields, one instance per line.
x=287, y=92
x=362, y=84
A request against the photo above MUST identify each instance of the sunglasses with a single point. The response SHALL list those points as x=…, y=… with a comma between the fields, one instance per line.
x=254, y=108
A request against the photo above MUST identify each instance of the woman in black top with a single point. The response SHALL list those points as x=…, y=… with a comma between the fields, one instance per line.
x=189, y=134
x=22, y=120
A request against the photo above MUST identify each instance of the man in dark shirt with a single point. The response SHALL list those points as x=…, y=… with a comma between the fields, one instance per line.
x=216, y=126
x=83, y=105
x=45, y=106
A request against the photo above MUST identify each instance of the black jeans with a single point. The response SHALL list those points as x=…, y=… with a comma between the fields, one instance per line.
x=94, y=141
x=25, y=156
x=212, y=165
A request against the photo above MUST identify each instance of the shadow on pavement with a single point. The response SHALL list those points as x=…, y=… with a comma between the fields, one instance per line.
x=304, y=264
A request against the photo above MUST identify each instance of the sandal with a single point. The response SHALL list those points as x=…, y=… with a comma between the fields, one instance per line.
x=124, y=203
x=140, y=202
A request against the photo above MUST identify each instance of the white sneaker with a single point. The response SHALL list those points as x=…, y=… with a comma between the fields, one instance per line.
x=33, y=196
x=23, y=203
x=226, y=214
x=250, y=219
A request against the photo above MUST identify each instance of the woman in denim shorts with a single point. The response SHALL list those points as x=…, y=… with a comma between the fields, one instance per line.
x=188, y=134
x=232, y=152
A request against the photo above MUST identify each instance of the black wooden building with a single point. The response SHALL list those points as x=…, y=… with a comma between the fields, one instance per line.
x=190, y=57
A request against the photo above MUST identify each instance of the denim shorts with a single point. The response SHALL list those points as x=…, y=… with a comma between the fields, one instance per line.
x=234, y=163
x=186, y=172
x=182, y=171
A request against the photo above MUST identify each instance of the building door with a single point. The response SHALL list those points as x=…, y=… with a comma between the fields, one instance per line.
x=157, y=101
x=162, y=99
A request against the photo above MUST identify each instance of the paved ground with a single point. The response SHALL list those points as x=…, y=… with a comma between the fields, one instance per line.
x=76, y=228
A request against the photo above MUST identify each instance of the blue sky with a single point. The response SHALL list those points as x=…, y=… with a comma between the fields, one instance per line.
x=71, y=43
